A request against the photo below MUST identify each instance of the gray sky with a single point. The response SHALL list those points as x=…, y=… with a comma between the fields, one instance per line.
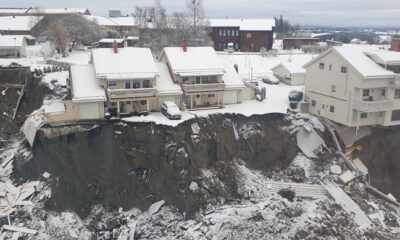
x=306, y=12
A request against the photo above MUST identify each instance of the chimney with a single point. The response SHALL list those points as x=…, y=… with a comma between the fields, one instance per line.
x=184, y=45
x=115, y=46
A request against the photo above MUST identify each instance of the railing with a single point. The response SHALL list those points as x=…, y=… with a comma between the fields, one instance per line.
x=376, y=106
x=203, y=87
x=131, y=93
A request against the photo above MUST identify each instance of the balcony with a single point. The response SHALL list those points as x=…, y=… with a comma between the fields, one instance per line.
x=210, y=87
x=119, y=94
x=376, y=106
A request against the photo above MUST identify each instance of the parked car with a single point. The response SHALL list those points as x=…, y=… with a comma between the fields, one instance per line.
x=296, y=95
x=231, y=48
x=271, y=81
x=171, y=111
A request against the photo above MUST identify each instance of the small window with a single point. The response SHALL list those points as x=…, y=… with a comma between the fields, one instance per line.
x=197, y=96
x=321, y=66
x=185, y=79
x=136, y=84
x=313, y=103
x=237, y=33
x=127, y=84
x=143, y=102
x=220, y=33
x=213, y=79
x=397, y=94
x=364, y=115
x=323, y=106
x=383, y=92
x=366, y=92
x=330, y=67
x=129, y=103
x=146, y=83
x=331, y=109
x=343, y=69
x=112, y=83
x=333, y=88
x=224, y=33
x=211, y=95
x=229, y=32
x=198, y=80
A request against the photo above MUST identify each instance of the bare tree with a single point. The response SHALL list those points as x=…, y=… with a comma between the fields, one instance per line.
x=143, y=15
x=199, y=34
x=160, y=15
x=58, y=35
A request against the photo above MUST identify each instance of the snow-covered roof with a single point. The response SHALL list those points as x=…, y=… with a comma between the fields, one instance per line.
x=13, y=10
x=85, y=86
x=102, y=21
x=231, y=78
x=111, y=40
x=128, y=63
x=124, y=21
x=11, y=40
x=19, y=23
x=196, y=61
x=165, y=83
x=59, y=11
x=295, y=64
x=245, y=24
x=385, y=57
x=355, y=56
x=53, y=106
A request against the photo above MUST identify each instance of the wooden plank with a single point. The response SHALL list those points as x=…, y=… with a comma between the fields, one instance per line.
x=19, y=229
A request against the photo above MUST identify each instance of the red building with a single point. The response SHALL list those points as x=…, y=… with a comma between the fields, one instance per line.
x=246, y=35
x=395, y=46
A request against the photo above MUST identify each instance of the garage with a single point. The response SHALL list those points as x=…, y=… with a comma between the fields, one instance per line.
x=89, y=111
x=231, y=97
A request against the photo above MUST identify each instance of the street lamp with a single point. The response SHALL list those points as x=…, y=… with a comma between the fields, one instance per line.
x=15, y=46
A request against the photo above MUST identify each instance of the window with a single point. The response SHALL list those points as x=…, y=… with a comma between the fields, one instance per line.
x=343, y=69
x=383, y=92
x=112, y=83
x=143, y=102
x=211, y=95
x=127, y=84
x=229, y=32
x=237, y=45
x=206, y=79
x=185, y=79
x=366, y=92
x=313, y=103
x=331, y=109
x=146, y=83
x=220, y=32
x=224, y=33
x=397, y=94
x=136, y=84
x=323, y=106
x=321, y=66
x=364, y=115
x=213, y=79
x=197, y=96
x=198, y=80
x=330, y=67
x=237, y=33
x=396, y=115
x=333, y=88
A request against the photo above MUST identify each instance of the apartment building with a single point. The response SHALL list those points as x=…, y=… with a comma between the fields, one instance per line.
x=355, y=86
x=128, y=76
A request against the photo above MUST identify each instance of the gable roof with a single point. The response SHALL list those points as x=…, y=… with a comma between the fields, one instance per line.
x=355, y=56
x=19, y=23
x=11, y=40
x=128, y=63
x=231, y=78
x=85, y=84
x=245, y=24
x=194, y=62
x=165, y=83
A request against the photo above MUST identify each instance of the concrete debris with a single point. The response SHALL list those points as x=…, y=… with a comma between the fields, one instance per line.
x=195, y=128
x=32, y=124
x=348, y=204
x=390, y=196
x=336, y=169
x=347, y=177
x=46, y=175
x=360, y=166
x=310, y=143
x=155, y=207
x=15, y=196
x=380, y=216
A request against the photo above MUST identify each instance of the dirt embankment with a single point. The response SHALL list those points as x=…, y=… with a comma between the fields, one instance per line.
x=135, y=165
x=381, y=155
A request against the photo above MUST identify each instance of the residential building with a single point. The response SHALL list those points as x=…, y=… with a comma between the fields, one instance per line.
x=116, y=27
x=355, y=86
x=129, y=76
x=291, y=73
x=297, y=43
x=13, y=46
x=86, y=101
x=199, y=72
x=22, y=25
x=246, y=35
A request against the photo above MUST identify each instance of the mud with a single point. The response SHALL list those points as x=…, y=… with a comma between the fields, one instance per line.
x=121, y=165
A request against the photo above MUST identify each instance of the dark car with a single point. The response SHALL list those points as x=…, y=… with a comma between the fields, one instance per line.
x=268, y=80
x=296, y=96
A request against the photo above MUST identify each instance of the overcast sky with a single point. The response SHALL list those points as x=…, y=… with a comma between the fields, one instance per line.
x=305, y=12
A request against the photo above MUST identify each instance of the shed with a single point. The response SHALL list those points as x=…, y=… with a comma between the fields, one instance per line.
x=12, y=46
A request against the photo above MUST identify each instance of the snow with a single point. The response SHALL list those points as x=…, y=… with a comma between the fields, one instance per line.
x=245, y=24
x=385, y=57
x=18, y=23
x=160, y=119
x=5, y=62
x=59, y=10
x=124, y=21
x=194, y=62
x=111, y=40
x=11, y=41
x=231, y=78
x=100, y=20
x=59, y=77
x=77, y=57
x=122, y=65
x=165, y=83
x=295, y=67
x=155, y=207
x=194, y=187
x=53, y=106
x=85, y=86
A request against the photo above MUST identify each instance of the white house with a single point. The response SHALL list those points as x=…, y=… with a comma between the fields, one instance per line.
x=291, y=73
x=355, y=86
x=199, y=72
x=167, y=89
x=129, y=76
x=12, y=46
x=235, y=90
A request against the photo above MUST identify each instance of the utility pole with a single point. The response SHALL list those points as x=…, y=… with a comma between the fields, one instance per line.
x=15, y=47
